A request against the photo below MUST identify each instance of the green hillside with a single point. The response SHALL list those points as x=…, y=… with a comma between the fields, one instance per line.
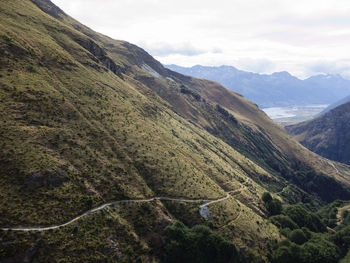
x=88, y=121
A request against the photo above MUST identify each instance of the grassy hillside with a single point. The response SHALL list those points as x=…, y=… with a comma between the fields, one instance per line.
x=86, y=120
x=327, y=135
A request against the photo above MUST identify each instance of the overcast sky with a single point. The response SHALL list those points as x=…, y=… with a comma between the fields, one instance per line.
x=304, y=37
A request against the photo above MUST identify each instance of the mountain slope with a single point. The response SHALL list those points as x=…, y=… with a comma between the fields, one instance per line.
x=252, y=133
x=334, y=105
x=327, y=135
x=87, y=120
x=277, y=89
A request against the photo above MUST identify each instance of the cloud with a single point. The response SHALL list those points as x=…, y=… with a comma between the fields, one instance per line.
x=162, y=49
x=341, y=67
x=302, y=37
x=256, y=65
x=316, y=21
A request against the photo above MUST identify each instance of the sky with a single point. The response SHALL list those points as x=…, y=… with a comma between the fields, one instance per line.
x=303, y=37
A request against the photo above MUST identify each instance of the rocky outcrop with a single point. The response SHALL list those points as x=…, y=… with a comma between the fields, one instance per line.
x=100, y=55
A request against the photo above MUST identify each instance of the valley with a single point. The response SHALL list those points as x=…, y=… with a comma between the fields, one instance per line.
x=294, y=114
x=108, y=156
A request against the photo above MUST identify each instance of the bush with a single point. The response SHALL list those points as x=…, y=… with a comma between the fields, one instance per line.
x=304, y=218
x=285, y=231
x=283, y=221
x=342, y=239
x=197, y=244
x=266, y=197
x=327, y=188
x=313, y=251
x=298, y=236
x=287, y=253
x=274, y=207
x=282, y=254
x=346, y=218
x=320, y=251
x=329, y=212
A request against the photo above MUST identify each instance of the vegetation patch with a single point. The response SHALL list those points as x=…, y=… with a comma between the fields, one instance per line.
x=197, y=244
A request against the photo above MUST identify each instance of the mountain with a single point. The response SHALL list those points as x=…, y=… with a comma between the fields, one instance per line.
x=334, y=105
x=327, y=135
x=279, y=89
x=102, y=148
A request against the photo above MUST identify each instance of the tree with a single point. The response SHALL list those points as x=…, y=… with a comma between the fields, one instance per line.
x=197, y=244
x=283, y=221
x=266, y=197
x=274, y=207
x=298, y=237
x=282, y=254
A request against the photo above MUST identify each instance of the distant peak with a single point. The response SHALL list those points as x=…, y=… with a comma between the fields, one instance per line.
x=227, y=66
x=198, y=66
x=282, y=74
x=327, y=76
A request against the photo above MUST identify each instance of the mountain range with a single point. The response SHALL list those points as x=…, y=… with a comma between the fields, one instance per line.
x=279, y=89
x=104, y=151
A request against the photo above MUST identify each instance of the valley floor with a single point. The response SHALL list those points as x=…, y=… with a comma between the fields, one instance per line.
x=294, y=114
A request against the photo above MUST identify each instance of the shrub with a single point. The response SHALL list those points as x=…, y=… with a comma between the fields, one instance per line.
x=197, y=244
x=342, y=239
x=287, y=253
x=313, y=251
x=274, y=207
x=298, y=236
x=283, y=221
x=266, y=197
x=305, y=219
x=320, y=251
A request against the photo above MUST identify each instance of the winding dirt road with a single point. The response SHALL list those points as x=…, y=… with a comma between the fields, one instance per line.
x=103, y=206
x=204, y=210
x=206, y=202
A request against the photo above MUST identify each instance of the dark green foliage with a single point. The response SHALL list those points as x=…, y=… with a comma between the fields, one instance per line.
x=282, y=254
x=320, y=251
x=285, y=231
x=307, y=232
x=197, y=244
x=273, y=206
x=283, y=221
x=303, y=244
x=329, y=213
x=327, y=188
x=298, y=236
x=313, y=251
x=346, y=217
x=286, y=253
x=342, y=239
x=303, y=218
x=266, y=197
